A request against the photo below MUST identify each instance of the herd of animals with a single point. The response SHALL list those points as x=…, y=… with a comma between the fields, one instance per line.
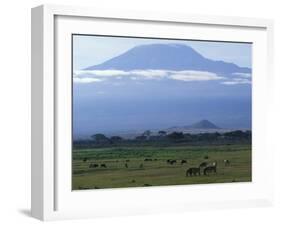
x=204, y=168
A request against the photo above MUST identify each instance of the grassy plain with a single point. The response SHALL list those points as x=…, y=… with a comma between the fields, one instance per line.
x=156, y=171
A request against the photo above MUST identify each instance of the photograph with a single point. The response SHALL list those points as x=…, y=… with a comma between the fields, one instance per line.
x=150, y=111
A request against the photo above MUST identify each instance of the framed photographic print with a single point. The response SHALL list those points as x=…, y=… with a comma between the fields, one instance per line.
x=136, y=112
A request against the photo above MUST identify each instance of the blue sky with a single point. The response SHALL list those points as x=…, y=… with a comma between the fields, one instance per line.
x=93, y=50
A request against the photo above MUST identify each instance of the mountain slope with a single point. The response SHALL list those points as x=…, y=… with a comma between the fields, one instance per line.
x=167, y=57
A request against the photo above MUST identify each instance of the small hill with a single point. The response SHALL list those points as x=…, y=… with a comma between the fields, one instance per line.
x=203, y=124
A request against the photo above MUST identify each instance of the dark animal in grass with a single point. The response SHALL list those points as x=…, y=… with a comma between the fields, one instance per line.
x=193, y=171
x=226, y=162
x=173, y=161
x=141, y=166
x=93, y=165
x=147, y=185
x=206, y=157
x=147, y=159
x=183, y=161
x=127, y=160
x=210, y=169
x=133, y=181
x=168, y=161
x=126, y=165
x=103, y=165
x=85, y=159
x=203, y=164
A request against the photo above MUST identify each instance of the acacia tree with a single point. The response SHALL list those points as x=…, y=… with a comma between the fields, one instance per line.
x=100, y=138
x=147, y=133
x=162, y=133
x=176, y=135
x=115, y=139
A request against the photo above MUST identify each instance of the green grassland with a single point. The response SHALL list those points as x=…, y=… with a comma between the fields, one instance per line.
x=157, y=171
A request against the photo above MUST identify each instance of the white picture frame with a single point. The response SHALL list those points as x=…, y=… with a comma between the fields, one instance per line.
x=51, y=196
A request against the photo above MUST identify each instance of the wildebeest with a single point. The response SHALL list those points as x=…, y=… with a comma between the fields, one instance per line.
x=93, y=165
x=226, y=162
x=193, y=171
x=103, y=165
x=147, y=159
x=203, y=164
x=173, y=161
x=183, y=161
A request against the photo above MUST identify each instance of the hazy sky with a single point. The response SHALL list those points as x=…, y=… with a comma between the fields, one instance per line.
x=93, y=50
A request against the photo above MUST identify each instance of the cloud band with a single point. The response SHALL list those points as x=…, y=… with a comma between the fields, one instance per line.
x=95, y=76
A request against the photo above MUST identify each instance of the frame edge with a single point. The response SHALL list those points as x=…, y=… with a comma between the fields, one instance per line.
x=37, y=39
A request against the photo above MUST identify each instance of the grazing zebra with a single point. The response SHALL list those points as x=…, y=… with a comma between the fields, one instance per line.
x=210, y=169
x=193, y=171
x=103, y=165
x=203, y=164
x=183, y=161
x=226, y=162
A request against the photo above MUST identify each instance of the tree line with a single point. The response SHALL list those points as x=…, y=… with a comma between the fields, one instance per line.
x=162, y=138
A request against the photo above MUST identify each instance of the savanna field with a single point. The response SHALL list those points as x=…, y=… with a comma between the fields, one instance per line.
x=116, y=167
